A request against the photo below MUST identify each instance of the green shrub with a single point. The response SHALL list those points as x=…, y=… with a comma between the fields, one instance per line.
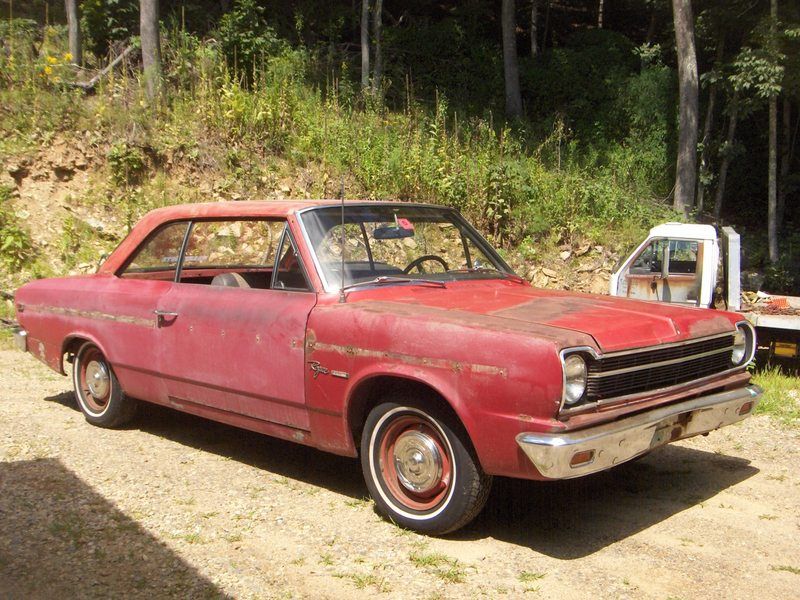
x=15, y=242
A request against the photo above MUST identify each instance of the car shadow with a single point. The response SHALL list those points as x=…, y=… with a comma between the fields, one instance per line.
x=573, y=518
x=565, y=519
x=295, y=461
x=61, y=539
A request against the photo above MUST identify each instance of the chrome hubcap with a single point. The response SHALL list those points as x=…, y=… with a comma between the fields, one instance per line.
x=97, y=379
x=418, y=461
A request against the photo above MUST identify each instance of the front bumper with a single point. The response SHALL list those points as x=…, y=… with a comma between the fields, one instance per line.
x=576, y=453
x=21, y=339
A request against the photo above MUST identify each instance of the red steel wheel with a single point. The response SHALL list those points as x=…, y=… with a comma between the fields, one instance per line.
x=420, y=467
x=97, y=390
x=416, y=462
x=94, y=378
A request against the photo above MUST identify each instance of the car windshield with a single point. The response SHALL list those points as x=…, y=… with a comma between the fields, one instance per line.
x=398, y=243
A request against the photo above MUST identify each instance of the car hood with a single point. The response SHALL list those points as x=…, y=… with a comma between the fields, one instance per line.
x=613, y=323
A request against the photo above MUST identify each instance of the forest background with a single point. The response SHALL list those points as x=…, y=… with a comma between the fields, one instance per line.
x=556, y=126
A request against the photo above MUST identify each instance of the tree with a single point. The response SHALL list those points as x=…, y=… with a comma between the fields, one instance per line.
x=364, y=44
x=686, y=171
x=377, y=25
x=728, y=152
x=74, y=30
x=713, y=78
x=534, y=30
x=510, y=64
x=772, y=176
x=151, y=47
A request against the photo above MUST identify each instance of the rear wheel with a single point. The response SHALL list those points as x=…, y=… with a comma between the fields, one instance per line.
x=420, y=468
x=97, y=389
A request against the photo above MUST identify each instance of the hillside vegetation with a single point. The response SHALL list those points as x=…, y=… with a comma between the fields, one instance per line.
x=281, y=132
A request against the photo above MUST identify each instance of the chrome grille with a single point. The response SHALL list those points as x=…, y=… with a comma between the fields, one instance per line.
x=636, y=372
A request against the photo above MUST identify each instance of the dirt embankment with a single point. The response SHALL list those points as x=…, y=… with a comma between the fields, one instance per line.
x=175, y=506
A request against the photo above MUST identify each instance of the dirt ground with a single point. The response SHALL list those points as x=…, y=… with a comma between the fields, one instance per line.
x=175, y=506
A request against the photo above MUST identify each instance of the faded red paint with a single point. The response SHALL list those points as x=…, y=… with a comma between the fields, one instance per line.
x=241, y=356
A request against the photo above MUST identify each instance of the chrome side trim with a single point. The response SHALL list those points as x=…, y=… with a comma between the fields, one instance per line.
x=662, y=363
x=21, y=339
x=619, y=441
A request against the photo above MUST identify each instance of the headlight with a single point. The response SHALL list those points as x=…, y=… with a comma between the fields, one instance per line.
x=574, y=378
x=743, y=344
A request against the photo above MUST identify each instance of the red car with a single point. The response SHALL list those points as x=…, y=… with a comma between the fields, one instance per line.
x=387, y=330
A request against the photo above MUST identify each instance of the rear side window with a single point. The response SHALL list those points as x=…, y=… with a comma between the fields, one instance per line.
x=157, y=257
x=229, y=244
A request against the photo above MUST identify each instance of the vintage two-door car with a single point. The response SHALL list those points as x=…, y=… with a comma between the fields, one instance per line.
x=387, y=330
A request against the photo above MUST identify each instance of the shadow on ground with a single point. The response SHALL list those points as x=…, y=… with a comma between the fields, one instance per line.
x=61, y=539
x=563, y=519
x=576, y=517
x=295, y=461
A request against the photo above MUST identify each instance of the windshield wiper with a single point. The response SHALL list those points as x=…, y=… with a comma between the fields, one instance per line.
x=388, y=279
x=492, y=270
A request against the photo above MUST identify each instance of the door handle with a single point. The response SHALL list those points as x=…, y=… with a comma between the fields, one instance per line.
x=162, y=315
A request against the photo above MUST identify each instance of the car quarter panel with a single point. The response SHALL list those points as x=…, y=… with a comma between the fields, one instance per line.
x=116, y=314
x=499, y=381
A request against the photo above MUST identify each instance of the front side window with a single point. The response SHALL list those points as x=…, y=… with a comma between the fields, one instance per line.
x=680, y=256
x=157, y=257
x=397, y=241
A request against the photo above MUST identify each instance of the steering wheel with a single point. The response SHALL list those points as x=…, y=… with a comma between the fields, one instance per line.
x=417, y=262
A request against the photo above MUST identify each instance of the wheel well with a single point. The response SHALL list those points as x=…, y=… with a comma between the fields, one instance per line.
x=372, y=392
x=69, y=348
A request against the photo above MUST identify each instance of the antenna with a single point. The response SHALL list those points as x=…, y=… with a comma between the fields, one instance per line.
x=342, y=296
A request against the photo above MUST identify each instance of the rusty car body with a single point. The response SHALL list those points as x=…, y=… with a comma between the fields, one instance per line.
x=387, y=330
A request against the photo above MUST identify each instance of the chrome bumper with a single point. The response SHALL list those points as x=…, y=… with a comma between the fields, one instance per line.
x=576, y=453
x=21, y=339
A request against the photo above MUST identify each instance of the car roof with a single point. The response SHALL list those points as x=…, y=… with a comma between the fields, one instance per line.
x=276, y=209
x=254, y=208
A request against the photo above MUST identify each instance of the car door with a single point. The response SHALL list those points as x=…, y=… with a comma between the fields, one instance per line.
x=666, y=270
x=129, y=300
x=234, y=324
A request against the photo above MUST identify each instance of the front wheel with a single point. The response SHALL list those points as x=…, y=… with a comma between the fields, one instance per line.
x=97, y=390
x=420, y=468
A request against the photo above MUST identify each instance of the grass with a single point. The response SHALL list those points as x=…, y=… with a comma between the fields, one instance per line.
x=786, y=568
x=530, y=576
x=440, y=565
x=781, y=398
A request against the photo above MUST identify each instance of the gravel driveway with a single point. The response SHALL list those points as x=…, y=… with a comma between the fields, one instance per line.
x=175, y=506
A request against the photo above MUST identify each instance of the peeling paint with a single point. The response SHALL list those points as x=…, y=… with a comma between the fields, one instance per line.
x=92, y=314
x=437, y=363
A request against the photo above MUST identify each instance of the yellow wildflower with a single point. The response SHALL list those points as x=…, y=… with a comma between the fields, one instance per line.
x=52, y=60
x=48, y=70
x=67, y=56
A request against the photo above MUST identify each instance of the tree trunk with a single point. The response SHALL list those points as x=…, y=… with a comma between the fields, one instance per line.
x=364, y=44
x=701, y=188
x=600, y=14
x=726, y=157
x=377, y=25
x=686, y=171
x=534, y=31
x=510, y=66
x=151, y=47
x=772, y=176
x=74, y=29
x=651, y=28
x=786, y=159
x=709, y=125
